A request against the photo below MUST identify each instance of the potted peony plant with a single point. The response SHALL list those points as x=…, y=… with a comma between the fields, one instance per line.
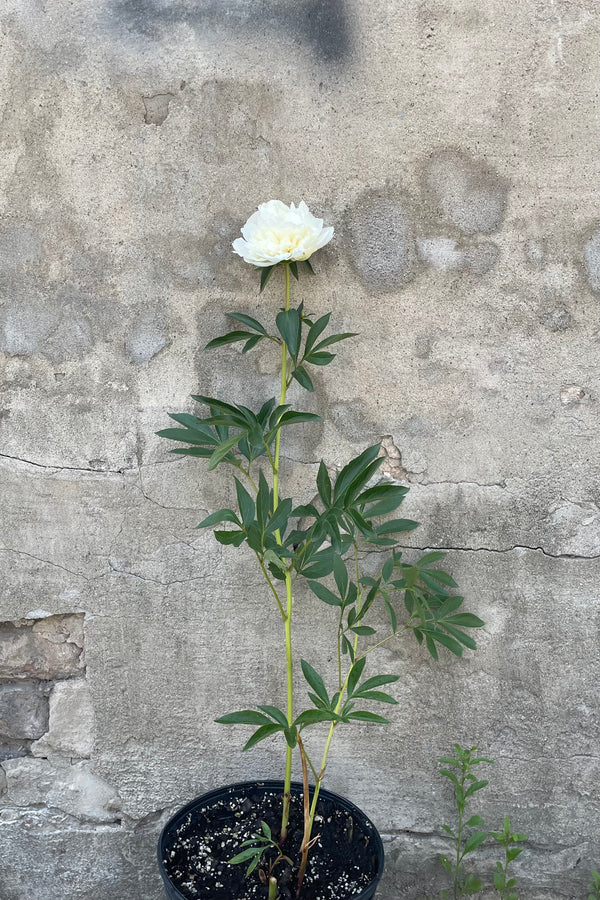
x=288, y=839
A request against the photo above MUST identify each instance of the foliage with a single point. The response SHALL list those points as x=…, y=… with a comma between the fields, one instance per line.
x=503, y=884
x=320, y=544
x=468, y=836
x=594, y=886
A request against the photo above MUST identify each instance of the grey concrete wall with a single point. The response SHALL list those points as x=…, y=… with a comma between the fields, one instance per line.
x=454, y=146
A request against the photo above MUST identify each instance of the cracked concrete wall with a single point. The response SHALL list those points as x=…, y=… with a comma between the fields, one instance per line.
x=453, y=146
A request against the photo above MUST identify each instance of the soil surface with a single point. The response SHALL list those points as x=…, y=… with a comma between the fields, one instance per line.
x=341, y=864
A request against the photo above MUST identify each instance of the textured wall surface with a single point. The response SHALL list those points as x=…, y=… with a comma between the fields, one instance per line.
x=454, y=146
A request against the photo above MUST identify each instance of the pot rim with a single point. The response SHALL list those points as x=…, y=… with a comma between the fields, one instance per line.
x=296, y=787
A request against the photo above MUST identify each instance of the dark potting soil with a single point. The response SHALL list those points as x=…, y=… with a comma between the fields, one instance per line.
x=341, y=863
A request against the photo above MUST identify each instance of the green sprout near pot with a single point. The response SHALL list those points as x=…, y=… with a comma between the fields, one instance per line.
x=504, y=884
x=320, y=544
x=256, y=846
x=594, y=886
x=459, y=770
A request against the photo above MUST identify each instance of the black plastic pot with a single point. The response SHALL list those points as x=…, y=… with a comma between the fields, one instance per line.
x=245, y=789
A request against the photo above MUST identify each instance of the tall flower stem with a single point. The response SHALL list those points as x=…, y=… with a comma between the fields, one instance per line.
x=288, y=583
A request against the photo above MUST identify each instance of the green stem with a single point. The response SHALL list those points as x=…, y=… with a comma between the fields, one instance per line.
x=287, y=618
x=271, y=585
x=459, y=838
x=272, y=887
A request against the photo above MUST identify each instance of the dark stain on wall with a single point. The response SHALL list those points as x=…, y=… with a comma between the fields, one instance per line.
x=322, y=26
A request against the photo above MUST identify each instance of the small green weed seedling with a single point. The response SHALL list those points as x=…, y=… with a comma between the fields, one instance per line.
x=503, y=884
x=256, y=846
x=459, y=769
x=594, y=886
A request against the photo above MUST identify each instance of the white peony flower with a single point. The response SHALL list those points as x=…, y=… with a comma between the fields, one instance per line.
x=276, y=232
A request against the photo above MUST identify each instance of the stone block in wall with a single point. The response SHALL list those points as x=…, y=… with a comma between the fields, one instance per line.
x=47, y=648
x=56, y=784
x=71, y=722
x=23, y=711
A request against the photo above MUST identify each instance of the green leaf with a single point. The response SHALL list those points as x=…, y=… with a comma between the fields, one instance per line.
x=324, y=593
x=245, y=855
x=447, y=641
x=291, y=736
x=245, y=502
x=363, y=630
x=231, y=338
x=247, y=320
x=289, y=325
x=275, y=713
x=377, y=680
x=231, y=537
x=391, y=614
x=312, y=716
x=465, y=620
x=378, y=696
x=446, y=863
x=472, y=884
x=202, y=452
x=319, y=359
x=294, y=268
x=448, y=830
x=353, y=469
x=340, y=574
x=334, y=338
x=185, y=435
x=473, y=821
x=303, y=379
x=315, y=681
x=308, y=265
x=429, y=558
x=364, y=716
x=254, y=340
x=315, y=330
x=460, y=636
x=355, y=674
x=263, y=500
x=475, y=786
x=450, y=776
x=244, y=717
x=222, y=450
x=474, y=841
x=394, y=526
x=513, y=852
x=222, y=515
x=293, y=417
x=264, y=732
x=279, y=519
x=324, y=484
x=319, y=565
x=265, y=275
